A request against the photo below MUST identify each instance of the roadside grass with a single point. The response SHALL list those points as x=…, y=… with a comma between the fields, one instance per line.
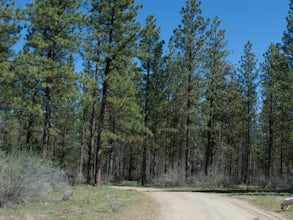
x=268, y=202
x=86, y=203
x=89, y=203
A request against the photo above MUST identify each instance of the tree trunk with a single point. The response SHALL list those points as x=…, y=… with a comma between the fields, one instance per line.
x=91, y=150
x=47, y=126
x=247, y=173
x=271, y=139
x=62, y=154
x=30, y=124
x=101, y=125
x=188, y=123
x=146, y=121
x=82, y=143
x=210, y=144
x=131, y=164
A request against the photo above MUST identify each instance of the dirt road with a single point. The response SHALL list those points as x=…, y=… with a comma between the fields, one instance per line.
x=204, y=206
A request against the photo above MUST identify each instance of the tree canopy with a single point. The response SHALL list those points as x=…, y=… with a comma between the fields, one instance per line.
x=105, y=98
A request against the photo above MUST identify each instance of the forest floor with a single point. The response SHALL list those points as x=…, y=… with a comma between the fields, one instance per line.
x=180, y=205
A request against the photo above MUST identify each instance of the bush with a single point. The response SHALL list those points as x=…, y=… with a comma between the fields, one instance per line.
x=279, y=182
x=214, y=180
x=173, y=177
x=24, y=178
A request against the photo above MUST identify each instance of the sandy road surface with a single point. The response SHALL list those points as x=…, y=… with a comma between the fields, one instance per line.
x=204, y=206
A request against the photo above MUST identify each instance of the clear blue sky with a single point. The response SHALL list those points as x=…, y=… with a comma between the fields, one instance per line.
x=260, y=21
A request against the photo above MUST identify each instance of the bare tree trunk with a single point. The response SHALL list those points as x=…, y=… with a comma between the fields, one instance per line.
x=112, y=148
x=281, y=155
x=47, y=126
x=82, y=143
x=247, y=174
x=30, y=124
x=91, y=150
x=271, y=139
x=210, y=144
x=101, y=125
x=166, y=157
x=62, y=155
x=188, y=123
x=131, y=163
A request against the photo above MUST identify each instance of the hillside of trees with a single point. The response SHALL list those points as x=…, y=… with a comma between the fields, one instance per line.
x=131, y=110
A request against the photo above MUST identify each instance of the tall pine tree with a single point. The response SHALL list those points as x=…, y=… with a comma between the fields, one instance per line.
x=248, y=75
x=189, y=40
x=150, y=54
x=115, y=32
x=276, y=116
x=10, y=84
x=215, y=70
x=288, y=85
x=52, y=40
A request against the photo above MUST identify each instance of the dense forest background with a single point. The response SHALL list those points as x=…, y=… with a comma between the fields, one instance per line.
x=133, y=111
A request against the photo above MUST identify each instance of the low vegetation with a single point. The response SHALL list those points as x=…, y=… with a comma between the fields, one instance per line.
x=176, y=177
x=269, y=202
x=86, y=202
x=33, y=188
x=25, y=178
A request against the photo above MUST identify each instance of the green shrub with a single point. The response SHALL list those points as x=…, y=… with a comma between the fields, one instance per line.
x=25, y=178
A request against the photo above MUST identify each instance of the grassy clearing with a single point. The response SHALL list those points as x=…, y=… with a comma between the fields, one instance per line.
x=87, y=202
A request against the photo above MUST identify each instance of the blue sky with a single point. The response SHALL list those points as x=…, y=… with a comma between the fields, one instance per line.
x=260, y=21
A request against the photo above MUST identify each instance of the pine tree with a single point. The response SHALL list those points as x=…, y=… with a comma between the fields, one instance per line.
x=52, y=39
x=10, y=87
x=115, y=32
x=151, y=53
x=125, y=125
x=248, y=76
x=91, y=94
x=288, y=36
x=276, y=81
x=87, y=135
x=10, y=32
x=216, y=69
x=287, y=85
x=189, y=41
x=232, y=134
x=174, y=110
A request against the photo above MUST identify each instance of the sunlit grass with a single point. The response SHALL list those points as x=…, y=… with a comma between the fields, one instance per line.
x=269, y=203
x=87, y=202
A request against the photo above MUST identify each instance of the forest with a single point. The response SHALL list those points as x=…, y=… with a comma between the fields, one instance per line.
x=93, y=90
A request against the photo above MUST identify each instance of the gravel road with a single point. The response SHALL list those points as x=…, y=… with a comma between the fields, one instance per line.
x=204, y=206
